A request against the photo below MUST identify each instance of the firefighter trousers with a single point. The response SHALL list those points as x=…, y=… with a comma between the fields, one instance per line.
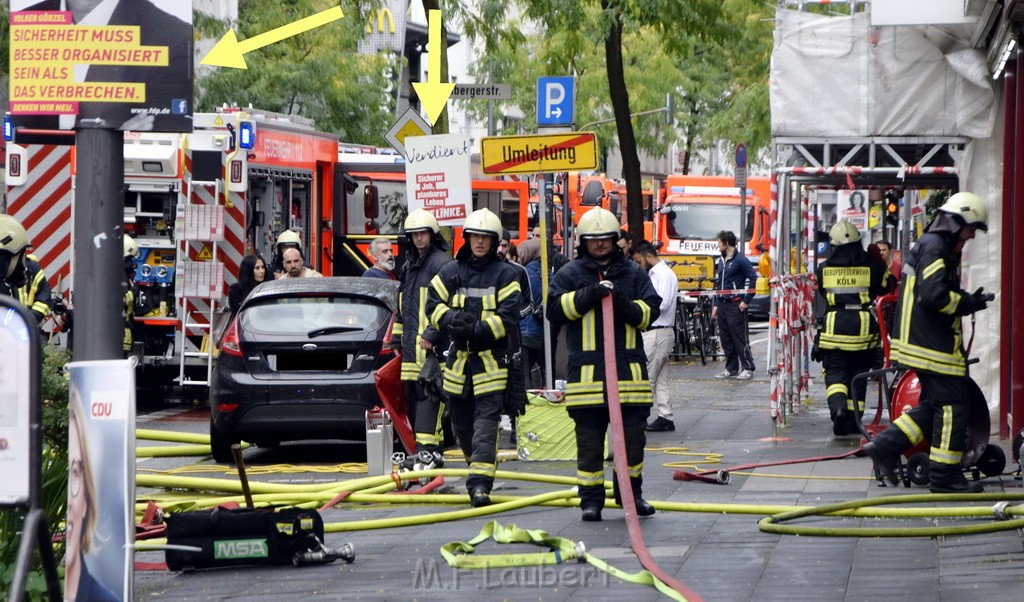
x=840, y=367
x=475, y=419
x=941, y=418
x=425, y=409
x=591, y=426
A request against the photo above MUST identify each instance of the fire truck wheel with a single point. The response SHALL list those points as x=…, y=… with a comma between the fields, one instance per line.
x=220, y=445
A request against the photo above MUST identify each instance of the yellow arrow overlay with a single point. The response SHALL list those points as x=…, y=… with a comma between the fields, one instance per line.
x=434, y=93
x=229, y=52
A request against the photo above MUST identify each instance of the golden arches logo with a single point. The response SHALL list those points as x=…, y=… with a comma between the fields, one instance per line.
x=383, y=15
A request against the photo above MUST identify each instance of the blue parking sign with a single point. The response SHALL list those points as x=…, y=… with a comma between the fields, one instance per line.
x=556, y=100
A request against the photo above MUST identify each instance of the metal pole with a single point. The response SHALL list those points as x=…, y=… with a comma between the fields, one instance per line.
x=544, y=208
x=99, y=229
x=490, y=117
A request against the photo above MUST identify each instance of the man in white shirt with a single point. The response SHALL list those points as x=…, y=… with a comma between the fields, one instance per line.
x=658, y=339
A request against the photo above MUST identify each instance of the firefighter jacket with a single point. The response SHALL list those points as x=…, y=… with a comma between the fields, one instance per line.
x=35, y=294
x=849, y=280
x=487, y=289
x=412, y=323
x=927, y=332
x=568, y=304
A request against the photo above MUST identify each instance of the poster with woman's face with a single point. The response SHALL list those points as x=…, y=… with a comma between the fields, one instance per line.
x=99, y=531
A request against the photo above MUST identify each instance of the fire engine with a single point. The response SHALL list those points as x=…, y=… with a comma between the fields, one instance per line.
x=196, y=204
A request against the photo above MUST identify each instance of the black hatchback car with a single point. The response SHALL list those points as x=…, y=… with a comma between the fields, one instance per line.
x=298, y=362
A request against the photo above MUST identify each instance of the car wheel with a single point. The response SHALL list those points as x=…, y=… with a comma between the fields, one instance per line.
x=220, y=445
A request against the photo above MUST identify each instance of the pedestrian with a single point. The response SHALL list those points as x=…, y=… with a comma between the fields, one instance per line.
x=420, y=342
x=659, y=338
x=894, y=266
x=476, y=299
x=383, y=260
x=295, y=265
x=575, y=301
x=289, y=239
x=251, y=272
x=848, y=338
x=736, y=278
x=503, y=245
x=531, y=325
x=625, y=242
x=927, y=337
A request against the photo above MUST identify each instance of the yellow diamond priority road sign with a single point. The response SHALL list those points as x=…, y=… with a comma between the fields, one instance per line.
x=570, y=151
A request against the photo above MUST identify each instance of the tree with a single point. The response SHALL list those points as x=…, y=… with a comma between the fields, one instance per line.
x=317, y=74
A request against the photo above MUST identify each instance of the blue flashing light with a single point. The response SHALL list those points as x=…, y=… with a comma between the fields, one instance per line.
x=246, y=135
x=8, y=128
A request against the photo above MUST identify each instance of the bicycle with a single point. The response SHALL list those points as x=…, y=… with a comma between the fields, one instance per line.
x=697, y=326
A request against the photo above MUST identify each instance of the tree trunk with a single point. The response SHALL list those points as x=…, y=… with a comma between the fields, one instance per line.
x=623, y=123
x=441, y=125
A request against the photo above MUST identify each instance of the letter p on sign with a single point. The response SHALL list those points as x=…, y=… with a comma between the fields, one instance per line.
x=556, y=100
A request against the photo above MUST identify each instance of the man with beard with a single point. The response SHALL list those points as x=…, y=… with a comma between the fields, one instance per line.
x=295, y=267
x=383, y=260
x=476, y=300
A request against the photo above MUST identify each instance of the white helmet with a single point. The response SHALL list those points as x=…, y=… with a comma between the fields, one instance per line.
x=598, y=223
x=968, y=207
x=289, y=237
x=421, y=219
x=13, y=240
x=131, y=248
x=843, y=233
x=483, y=221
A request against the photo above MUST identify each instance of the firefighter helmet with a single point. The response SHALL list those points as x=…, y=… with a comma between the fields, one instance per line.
x=968, y=207
x=13, y=240
x=483, y=221
x=842, y=233
x=289, y=237
x=598, y=223
x=421, y=219
x=131, y=248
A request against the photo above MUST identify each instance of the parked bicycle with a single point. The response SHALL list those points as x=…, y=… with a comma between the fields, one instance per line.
x=696, y=332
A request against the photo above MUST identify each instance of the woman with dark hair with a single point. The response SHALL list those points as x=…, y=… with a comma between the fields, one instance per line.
x=251, y=272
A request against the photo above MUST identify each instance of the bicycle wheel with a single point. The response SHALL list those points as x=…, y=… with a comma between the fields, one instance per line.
x=710, y=340
x=699, y=334
x=680, y=342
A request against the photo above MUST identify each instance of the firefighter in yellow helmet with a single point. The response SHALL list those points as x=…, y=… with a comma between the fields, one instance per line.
x=420, y=342
x=476, y=301
x=575, y=301
x=23, y=277
x=848, y=338
x=927, y=337
x=130, y=291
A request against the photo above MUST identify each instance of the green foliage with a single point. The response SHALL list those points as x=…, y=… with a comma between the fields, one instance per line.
x=317, y=74
x=54, y=391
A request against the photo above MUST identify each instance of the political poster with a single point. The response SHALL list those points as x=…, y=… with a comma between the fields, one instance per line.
x=437, y=176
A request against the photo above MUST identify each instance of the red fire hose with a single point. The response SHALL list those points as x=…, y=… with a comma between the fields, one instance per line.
x=636, y=536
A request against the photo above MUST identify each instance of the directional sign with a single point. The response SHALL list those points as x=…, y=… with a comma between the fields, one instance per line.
x=573, y=151
x=409, y=124
x=482, y=92
x=556, y=100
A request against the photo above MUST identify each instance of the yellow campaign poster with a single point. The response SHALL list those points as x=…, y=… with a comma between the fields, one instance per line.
x=125, y=63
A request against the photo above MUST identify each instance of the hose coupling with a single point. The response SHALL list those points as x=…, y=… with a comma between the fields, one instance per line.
x=581, y=552
x=722, y=476
x=999, y=511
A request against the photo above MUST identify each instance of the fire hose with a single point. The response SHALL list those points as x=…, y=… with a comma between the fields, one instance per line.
x=618, y=445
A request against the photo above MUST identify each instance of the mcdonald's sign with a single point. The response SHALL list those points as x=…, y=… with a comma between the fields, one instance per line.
x=384, y=15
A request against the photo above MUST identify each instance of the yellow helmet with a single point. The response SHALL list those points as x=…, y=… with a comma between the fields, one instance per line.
x=131, y=248
x=289, y=237
x=483, y=221
x=598, y=223
x=969, y=207
x=842, y=233
x=13, y=240
x=421, y=219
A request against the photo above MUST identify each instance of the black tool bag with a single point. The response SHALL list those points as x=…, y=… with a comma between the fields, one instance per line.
x=242, y=536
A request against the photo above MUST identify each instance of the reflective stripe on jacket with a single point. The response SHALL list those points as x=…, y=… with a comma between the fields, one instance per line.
x=849, y=280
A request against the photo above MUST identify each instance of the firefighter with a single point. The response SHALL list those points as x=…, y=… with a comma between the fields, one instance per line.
x=289, y=239
x=575, y=300
x=848, y=338
x=477, y=300
x=420, y=342
x=25, y=278
x=130, y=292
x=927, y=337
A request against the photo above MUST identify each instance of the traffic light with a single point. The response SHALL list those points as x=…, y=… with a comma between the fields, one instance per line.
x=892, y=209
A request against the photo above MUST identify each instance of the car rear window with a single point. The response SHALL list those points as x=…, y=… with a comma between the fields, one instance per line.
x=295, y=315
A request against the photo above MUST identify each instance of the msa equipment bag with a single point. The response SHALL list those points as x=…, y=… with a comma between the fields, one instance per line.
x=234, y=537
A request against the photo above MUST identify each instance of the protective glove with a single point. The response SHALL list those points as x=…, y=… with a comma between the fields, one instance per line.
x=395, y=344
x=515, y=403
x=621, y=303
x=461, y=326
x=981, y=298
x=591, y=295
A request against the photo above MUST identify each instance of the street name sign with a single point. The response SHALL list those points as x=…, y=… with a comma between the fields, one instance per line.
x=482, y=92
x=572, y=151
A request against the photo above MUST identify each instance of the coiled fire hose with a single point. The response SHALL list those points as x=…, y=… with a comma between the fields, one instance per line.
x=636, y=536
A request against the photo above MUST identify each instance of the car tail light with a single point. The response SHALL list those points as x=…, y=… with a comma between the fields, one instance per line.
x=227, y=407
x=385, y=345
x=230, y=343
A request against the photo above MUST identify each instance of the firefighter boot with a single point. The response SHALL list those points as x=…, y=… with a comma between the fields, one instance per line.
x=643, y=507
x=949, y=478
x=591, y=502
